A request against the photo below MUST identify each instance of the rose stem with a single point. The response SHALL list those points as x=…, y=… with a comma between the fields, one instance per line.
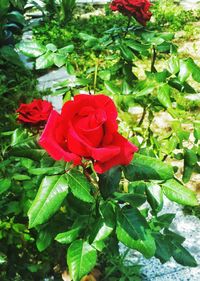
x=153, y=59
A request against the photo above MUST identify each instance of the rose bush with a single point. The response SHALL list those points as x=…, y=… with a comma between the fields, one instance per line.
x=36, y=112
x=87, y=127
x=139, y=9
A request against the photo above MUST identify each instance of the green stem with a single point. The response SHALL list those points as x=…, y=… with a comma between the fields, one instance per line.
x=95, y=75
x=142, y=118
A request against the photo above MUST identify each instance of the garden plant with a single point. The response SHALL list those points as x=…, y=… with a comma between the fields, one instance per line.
x=78, y=183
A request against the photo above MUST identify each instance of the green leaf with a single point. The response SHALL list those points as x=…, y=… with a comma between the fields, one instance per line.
x=134, y=200
x=147, y=246
x=163, y=95
x=51, y=47
x=45, y=61
x=66, y=50
x=44, y=240
x=112, y=88
x=81, y=258
x=80, y=186
x=174, y=65
x=31, y=49
x=21, y=177
x=126, y=53
x=70, y=69
x=154, y=196
x=100, y=231
x=182, y=256
x=46, y=171
x=131, y=220
x=68, y=236
x=9, y=54
x=184, y=72
x=195, y=69
x=109, y=181
x=52, y=191
x=147, y=168
x=163, y=248
x=179, y=193
x=16, y=17
x=4, y=185
x=3, y=258
x=59, y=60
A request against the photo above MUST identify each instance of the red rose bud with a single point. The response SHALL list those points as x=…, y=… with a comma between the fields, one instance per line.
x=34, y=113
x=87, y=127
x=139, y=9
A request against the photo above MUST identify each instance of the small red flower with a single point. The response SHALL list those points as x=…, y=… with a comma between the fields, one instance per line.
x=139, y=9
x=34, y=113
x=87, y=128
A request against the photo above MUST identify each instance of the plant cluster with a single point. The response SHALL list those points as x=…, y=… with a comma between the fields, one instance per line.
x=75, y=183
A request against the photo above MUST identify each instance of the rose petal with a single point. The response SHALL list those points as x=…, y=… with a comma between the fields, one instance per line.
x=50, y=144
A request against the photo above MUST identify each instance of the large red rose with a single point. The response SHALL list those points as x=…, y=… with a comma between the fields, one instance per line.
x=34, y=113
x=139, y=9
x=87, y=127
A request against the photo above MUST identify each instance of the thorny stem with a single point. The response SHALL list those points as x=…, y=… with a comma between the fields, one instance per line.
x=153, y=59
x=143, y=116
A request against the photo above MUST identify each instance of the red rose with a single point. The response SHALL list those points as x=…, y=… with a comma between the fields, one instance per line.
x=139, y=9
x=87, y=127
x=35, y=112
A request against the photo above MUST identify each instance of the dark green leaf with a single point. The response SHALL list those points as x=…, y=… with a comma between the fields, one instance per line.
x=147, y=168
x=109, y=181
x=154, y=196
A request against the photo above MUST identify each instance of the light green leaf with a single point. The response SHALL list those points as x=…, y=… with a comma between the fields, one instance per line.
x=52, y=191
x=81, y=258
x=163, y=95
x=79, y=186
x=59, y=60
x=68, y=236
x=45, y=61
x=154, y=196
x=66, y=50
x=179, y=193
x=31, y=49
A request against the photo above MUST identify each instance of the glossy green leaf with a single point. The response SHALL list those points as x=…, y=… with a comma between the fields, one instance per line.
x=81, y=258
x=52, y=191
x=147, y=168
x=146, y=246
x=131, y=220
x=80, y=186
x=31, y=49
x=179, y=193
x=109, y=181
x=154, y=196
x=51, y=47
x=184, y=72
x=45, y=61
x=163, y=95
x=4, y=185
x=100, y=231
x=68, y=236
